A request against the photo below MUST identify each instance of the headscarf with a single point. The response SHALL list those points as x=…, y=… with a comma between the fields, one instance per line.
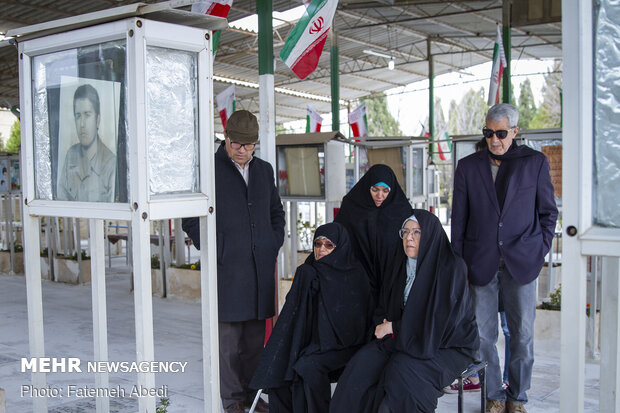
x=411, y=265
x=374, y=230
x=326, y=309
x=439, y=313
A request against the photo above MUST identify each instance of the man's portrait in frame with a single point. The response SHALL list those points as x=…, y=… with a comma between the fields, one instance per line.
x=87, y=142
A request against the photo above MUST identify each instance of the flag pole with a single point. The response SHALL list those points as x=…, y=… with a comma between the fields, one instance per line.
x=506, y=35
x=335, y=79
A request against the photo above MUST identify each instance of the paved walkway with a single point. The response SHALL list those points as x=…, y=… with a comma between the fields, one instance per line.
x=68, y=333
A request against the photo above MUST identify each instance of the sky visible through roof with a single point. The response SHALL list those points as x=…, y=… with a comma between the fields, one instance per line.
x=409, y=104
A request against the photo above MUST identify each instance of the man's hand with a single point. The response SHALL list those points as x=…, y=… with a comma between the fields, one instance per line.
x=383, y=329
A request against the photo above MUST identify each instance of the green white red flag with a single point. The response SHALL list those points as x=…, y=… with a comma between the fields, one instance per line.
x=499, y=63
x=217, y=8
x=359, y=122
x=313, y=120
x=304, y=45
x=444, y=148
x=226, y=103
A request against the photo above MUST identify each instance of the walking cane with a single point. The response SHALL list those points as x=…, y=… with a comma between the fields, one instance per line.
x=258, y=393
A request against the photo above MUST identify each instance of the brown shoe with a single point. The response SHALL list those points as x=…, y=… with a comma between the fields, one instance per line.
x=514, y=407
x=235, y=408
x=261, y=407
x=495, y=406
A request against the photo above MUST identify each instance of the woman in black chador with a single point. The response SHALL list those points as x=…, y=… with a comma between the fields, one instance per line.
x=425, y=332
x=372, y=212
x=323, y=322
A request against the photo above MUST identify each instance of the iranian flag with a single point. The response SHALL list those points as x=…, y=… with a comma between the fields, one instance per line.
x=313, y=120
x=444, y=148
x=499, y=63
x=304, y=45
x=226, y=103
x=359, y=122
x=217, y=8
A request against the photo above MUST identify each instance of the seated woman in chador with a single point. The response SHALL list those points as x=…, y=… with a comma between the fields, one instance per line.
x=325, y=319
x=425, y=332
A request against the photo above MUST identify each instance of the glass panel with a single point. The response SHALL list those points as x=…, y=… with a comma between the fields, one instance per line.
x=80, y=150
x=301, y=171
x=463, y=148
x=172, y=126
x=606, y=196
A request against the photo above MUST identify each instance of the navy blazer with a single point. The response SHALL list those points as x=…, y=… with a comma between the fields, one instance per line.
x=521, y=233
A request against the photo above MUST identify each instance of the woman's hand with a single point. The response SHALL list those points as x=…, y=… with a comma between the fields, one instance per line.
x=383, y=329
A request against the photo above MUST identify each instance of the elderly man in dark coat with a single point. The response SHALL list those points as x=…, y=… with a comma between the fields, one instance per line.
x=250, y=232
x=503, y=222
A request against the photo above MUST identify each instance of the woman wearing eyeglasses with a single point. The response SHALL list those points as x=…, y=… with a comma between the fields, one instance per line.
x=425, y=330
x=323, y=322
x=371, y=212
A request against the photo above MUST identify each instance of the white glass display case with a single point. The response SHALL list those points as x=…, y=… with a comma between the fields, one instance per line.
x=117, y=123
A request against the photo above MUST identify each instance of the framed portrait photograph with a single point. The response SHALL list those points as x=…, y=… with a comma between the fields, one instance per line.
x=79, y=124
x=87, y=139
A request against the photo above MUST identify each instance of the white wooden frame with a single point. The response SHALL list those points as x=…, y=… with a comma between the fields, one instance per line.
x=578, y=102
x=140, y=209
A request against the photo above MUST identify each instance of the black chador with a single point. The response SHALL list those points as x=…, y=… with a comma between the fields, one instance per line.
x=374, y=230
x=435, y=334
x=323, y=322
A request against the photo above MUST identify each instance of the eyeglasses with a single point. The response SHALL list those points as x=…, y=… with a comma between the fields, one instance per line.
x=327, y=244
x=404, y=233
x=247, y=146
x=500, y=133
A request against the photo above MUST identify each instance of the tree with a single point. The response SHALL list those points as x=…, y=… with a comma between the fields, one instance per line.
x=380, y=120
x=527, y=106
x=468, y=116
x=549, y=114
x=12, y=145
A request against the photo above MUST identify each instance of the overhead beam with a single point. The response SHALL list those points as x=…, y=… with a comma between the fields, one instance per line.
x=413, y=19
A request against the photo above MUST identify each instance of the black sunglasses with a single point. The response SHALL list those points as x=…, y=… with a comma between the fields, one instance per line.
x=500, y=133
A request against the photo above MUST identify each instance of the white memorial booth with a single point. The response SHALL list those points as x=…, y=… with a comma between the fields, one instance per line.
x=310, y=168
x=408, y=160
x=117, y=124
x=591, y=216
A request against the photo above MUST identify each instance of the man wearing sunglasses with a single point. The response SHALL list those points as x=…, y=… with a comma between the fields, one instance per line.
x=250, y=232
x=503, y=222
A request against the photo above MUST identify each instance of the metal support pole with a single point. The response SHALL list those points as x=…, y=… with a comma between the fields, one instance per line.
x=143, y=304
x=179, y=244
x=506, y=37
x=100, y=323
x=592, y=336
x=610, y=339
x=11, y=235
x=208, y=304
x=79, y=250
x=34, y=295
x=431, y=97
x=266, y=91
x=294, y=236
x=335, y=79
x=163, y=263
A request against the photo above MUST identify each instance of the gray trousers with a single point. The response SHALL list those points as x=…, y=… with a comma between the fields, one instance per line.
x=520, y=308
x=241, y=347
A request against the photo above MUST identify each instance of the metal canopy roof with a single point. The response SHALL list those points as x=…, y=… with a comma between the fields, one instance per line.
x=458, y=34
